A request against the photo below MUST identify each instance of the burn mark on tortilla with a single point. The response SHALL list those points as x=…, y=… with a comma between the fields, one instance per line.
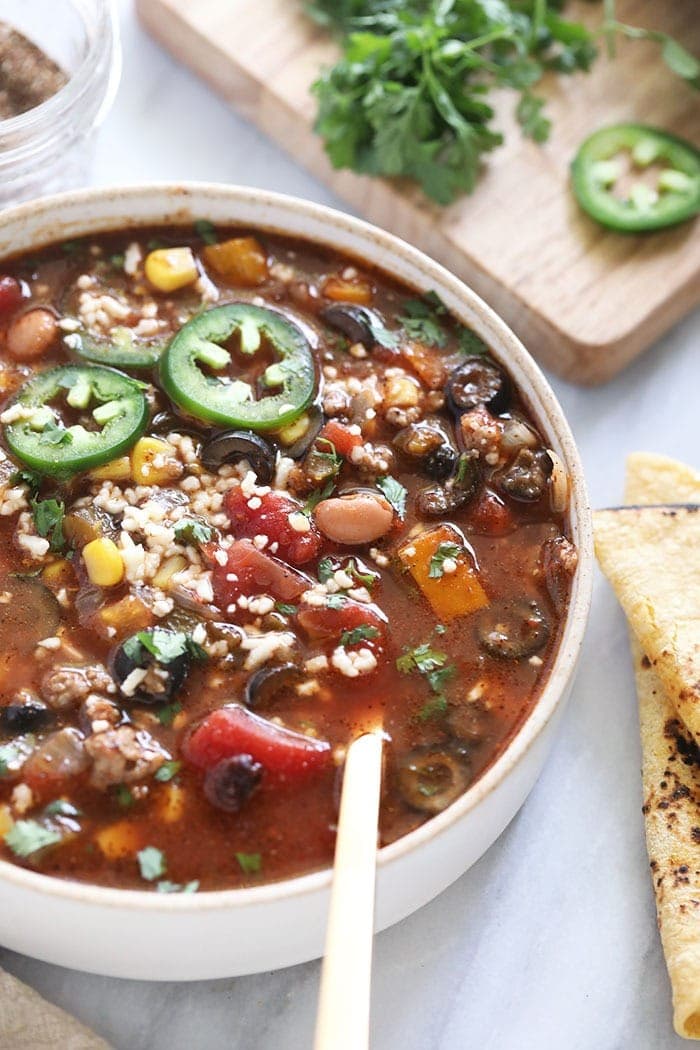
x=688, y=749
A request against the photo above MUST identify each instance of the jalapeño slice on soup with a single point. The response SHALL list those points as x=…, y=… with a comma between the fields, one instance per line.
x=295, y=496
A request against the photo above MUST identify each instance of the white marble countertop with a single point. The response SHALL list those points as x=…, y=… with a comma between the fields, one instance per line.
x=550, y=940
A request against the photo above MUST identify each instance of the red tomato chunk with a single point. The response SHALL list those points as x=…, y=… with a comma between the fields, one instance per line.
x=10, y=295
x=332, y=623
x=233, y=731
x=341, y=437
x=271, y=518
x=250, y=571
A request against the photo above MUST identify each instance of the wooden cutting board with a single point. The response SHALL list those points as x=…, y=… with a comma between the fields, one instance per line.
x=584, y=301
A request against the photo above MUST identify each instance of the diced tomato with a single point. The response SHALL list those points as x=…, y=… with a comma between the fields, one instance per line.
x=322, y=622
x=341, y=436
x=250, y=571
x=271, y=519
x=490, y=515
x=10, y=295
x=233, y=730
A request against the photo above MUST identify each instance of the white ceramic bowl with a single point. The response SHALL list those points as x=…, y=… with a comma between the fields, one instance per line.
x=128, y=933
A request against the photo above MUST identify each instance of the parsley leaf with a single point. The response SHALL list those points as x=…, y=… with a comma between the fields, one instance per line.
x=420, y=319
x=394, y=492
x=167, y=771
x=165, y=645
x=363, y=632
x=205, y=230
x=28, y=478
x=368, y=579
x=325, y=569
x=432, y=665
x=29, y=836
x=164, y=886
x=250, y=863
x=152, y=863
x=48, y=519
x=443, y=552
x=286, y=609
x=335, y=601
x=189, y=530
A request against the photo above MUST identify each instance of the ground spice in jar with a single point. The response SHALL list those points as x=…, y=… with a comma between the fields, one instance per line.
x=28, y=76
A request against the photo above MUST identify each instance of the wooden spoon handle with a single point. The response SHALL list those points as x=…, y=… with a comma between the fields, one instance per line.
x=342, y=1022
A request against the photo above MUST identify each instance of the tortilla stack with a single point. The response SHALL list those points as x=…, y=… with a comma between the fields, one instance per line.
x=650, y=553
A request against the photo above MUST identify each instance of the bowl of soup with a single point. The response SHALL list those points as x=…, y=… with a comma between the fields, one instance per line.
x=269, y=477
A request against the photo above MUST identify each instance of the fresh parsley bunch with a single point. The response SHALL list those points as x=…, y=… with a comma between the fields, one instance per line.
x=408, y=96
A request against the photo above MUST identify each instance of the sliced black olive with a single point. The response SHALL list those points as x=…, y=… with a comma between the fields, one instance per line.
x=471, y=722
x=25, y=717
x=168, y=423
x=162, y=679
x=263, y=686
x=304, y=443
x=356, y=323
x=478, y=381
x=430, y=778
x=232, y=781
x=235, y=445
x=527, y=477
x=438, y=500
x=512, y=630
x=28, y=613
x=440, y=463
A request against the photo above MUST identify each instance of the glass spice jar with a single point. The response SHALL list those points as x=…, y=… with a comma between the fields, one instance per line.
x=50, y=146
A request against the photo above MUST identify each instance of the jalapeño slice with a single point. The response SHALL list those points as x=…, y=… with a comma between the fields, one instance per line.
x=120, y=349
x=109, y=407
x=231, y=402
x=609, y=180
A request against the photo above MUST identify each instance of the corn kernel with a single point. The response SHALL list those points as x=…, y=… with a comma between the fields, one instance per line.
x=103, y=562
x=170, y=566
x=153, y=462
x=118, y=840
x=401, y=391
x=240, y=260
x=289, y=434
x=116, y=470
x=170, y=268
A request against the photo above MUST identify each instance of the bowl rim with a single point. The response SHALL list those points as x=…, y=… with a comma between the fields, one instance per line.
x=174, y=197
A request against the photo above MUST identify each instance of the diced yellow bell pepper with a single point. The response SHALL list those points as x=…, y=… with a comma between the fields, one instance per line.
x=103, y=562
x=6, y=821
x=344, y=290
x=170, y=803
x=240, y=260
x=176, y=563
x=454, y=594
x=168, y=269
x=122, y=618
x=116, y=470
x=153, y=462
x=58, y=574
x=118, y=840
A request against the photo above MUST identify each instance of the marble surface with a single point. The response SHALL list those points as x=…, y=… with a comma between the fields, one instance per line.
x=550, y=940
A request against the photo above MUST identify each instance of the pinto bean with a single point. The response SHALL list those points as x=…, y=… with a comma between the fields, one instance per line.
x=31, y=334
x=359, y=517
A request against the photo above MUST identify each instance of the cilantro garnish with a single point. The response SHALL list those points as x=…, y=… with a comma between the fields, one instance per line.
x=335, y=601
x=470, y=343
x=325, y=569
x=205, y=230
x=409, y=95
x=164, y=886
x=152, y=863
x=29, y=836
x=14, y=753
x=117, y=260
x=166, y=715
x=368, y=579
x=420, y=319
x=433, y=708
x=48, y=519
x=168, y=770
x=250, y=863
x=432, y=665
x=316, y=496
x=286, y=609
x=442, y=553
x=394, y=492
x=165, y=645
x=60, y=807
x=124, y=796
x=28, y=478
x=363, y=632
x=189, y=530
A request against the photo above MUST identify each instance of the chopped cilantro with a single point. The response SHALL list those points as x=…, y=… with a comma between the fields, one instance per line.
x=189, y=530
x=286, y=609
x=326, y=569
x=177, y=887
x=48, y=518
x=470, y=342
x=394, y=492
x=152, y=863
x=117, y=260
x=29, y=836
x=166, y=715
x=420, y=319
x=434, y=707
x=250, y=863
x=317, y=495
x=205, y=230
x=441, y=555
x=335, y=601
x=124, y=796
x=422, y=658
x=168, y=770
x=165, y=645
x=28, y=478
x=330, y=453
x=432, y=664
x=367, y=578
x=361, y=633
x=14, y=753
